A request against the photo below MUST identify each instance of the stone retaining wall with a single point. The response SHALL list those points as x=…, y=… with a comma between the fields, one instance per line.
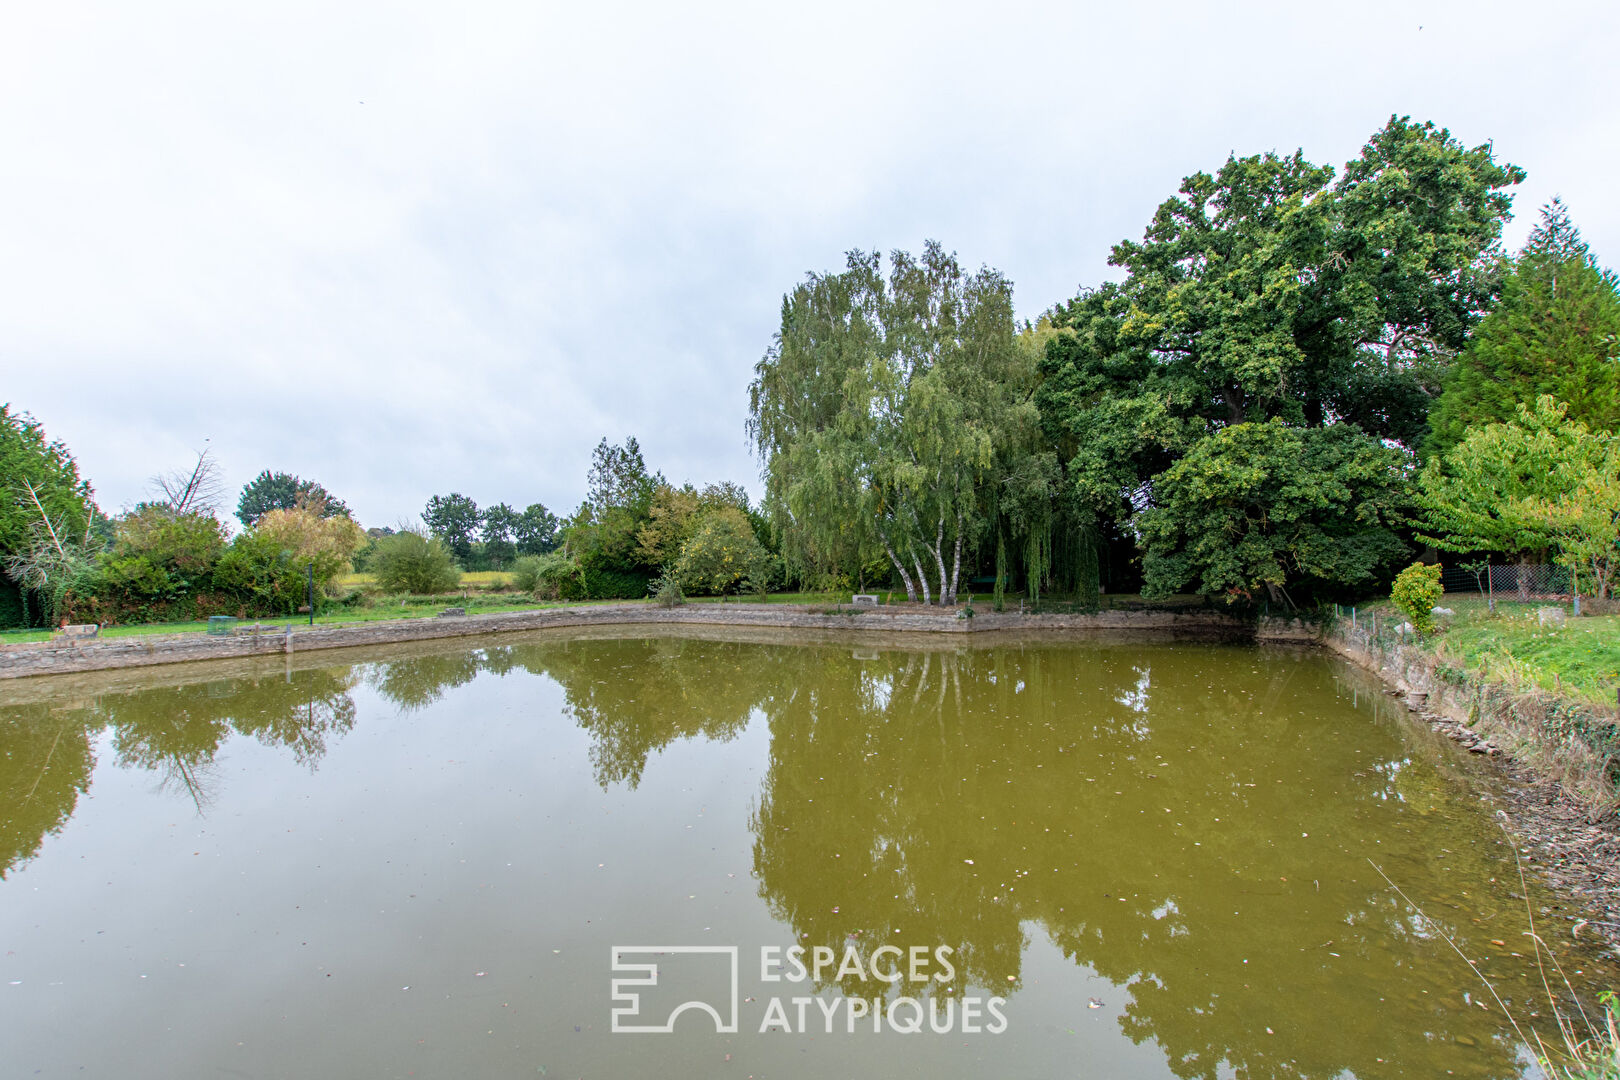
x=57, y=657
x=1581, y=740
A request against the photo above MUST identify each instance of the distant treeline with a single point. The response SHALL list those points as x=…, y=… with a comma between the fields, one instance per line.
x=1304, y=378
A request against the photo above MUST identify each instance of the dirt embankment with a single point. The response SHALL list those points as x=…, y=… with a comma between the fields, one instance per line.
x=1557, y=758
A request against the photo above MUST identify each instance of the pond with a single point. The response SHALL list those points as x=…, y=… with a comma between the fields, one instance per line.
x=1031, y=858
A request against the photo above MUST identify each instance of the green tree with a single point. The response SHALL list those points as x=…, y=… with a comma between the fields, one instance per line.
x=722, y=554
x=409, y=562
x=675, y=512
x=1273, y=293
x=1587, y=523
x=1553, y=332
x=499, y=525
x=44, y=504
x=1257, y=507
x=283, y=491
x=618, y=477
x=272, y=564
x=1540, y=482
x=536, y=530
x=602, y=534
x=455, y=520
x=1480, y=495
x=671, y=517
x=877, y=412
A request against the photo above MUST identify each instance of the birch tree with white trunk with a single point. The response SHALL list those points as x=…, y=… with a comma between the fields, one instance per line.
x=877, y=414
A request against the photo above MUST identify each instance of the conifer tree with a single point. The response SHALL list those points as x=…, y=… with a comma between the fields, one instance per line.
x=1553, y=332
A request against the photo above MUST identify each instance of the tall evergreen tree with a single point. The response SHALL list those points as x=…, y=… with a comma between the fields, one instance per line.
x=1554, y=332
x=43, y=501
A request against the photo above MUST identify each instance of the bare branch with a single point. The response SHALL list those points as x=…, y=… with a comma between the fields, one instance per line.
x=44, y=517
x=196, y=491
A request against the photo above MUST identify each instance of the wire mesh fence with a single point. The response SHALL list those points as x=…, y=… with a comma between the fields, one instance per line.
x=1547, y=593
x=1513, y=588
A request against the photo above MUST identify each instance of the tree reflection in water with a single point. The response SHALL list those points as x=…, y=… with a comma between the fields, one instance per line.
x=174, y=731
x=1190, y=822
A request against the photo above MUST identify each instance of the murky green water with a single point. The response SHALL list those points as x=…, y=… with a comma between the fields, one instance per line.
x=419, y=863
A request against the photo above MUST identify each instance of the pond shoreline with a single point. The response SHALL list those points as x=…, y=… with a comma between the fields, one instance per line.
x=64, y=657
x=1553, y=816
x=1555, y=798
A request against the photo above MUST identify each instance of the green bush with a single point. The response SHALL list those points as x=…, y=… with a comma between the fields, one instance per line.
x=271, y=566
x=666, y=589
x=722, y=554
x=161, y=555
x=261, y=571
x=556, y=575
x=592, y=584
x=528, y=573
x=1416, y=590
x=408, y=562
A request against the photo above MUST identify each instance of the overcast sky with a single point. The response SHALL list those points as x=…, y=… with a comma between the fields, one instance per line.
x=409, y=249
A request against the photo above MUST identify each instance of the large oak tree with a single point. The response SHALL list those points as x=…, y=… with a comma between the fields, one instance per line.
x=1276, y=294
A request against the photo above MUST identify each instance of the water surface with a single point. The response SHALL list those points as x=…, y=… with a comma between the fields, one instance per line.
x=416, y=862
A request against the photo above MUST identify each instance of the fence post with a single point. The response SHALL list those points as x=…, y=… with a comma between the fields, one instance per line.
x=1352, y=616
x=1490, y=589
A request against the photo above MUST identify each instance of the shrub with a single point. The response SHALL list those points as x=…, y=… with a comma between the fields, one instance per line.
x=528, y=573
x=1416, y=590
x=271, y=565
x=412, y=563
x=666, y=589
x=311, y=536
x=594, y=584
x=262, y=573
x=722, y=554
x=556, y=575
x=159, y=554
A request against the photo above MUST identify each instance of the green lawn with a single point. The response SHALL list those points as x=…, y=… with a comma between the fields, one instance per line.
x=415, y=608
x=1579, y=660
x=785, y=598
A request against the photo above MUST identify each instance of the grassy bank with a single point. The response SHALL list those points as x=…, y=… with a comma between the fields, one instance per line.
x=1579, y=660
x=410, y=607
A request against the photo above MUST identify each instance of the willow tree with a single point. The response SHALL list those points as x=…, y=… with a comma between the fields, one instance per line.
x=878, y=411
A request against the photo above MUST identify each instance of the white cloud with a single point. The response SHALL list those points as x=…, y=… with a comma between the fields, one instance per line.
x=549, y=224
